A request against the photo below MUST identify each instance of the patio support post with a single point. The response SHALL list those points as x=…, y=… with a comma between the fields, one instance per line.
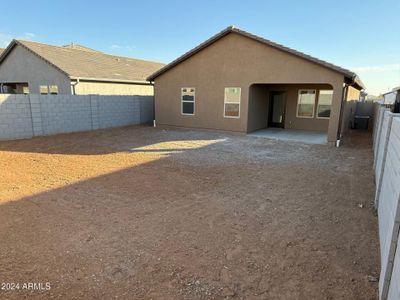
x=335, y=112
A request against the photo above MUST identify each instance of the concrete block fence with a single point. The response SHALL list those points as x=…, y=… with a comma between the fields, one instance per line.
x=25, y=116
x=387, y=199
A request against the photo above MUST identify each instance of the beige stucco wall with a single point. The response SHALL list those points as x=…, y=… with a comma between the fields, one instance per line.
x=21, y=65
x=236, y=61
x=104, y=88
x=259, y=103
x=258, y=107
x=352, y=94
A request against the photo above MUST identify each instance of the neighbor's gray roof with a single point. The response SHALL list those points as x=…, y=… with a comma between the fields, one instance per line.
x=231, y=29
x=397, y=88
x=81, y=62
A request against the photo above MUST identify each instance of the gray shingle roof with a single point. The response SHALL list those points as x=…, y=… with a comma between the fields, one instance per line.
x=80, y=47
x=231, y=29
x=81, y=62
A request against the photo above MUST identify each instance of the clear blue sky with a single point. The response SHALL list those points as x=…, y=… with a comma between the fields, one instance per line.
x=360, y=35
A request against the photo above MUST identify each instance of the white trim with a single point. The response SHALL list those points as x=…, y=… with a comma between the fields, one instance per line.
x=316, y=115
x=238, y=103
x=297, y=104
x=194, y=101
x=321, y=118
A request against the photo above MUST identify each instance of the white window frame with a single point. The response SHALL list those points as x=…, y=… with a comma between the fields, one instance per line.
x=297, y=105
x=52, y=88
x=43, y=86
x=316, y=113
x=228, y=102
x=183, y=101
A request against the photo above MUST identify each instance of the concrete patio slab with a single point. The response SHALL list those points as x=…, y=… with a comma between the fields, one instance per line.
x=307, y=137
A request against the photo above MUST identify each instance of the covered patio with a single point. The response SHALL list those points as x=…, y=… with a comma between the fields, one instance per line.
x=291, y=112
x=293, y=135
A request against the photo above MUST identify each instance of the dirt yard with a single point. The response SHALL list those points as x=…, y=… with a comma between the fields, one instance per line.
x=144, y=213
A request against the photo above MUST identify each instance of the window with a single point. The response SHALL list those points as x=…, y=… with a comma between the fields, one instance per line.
x=44, y=89
x=53, y=89
x=324, y=104
x=25, y=89
x=306, y=104
x=188, y=95
x=232, y=102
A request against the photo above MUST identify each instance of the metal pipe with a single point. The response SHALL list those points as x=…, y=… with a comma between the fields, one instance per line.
x=73, y=92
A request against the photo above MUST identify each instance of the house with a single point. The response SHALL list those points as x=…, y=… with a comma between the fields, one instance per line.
x=236, y=81
x=393, y=98
x=1, y=50
x=31, y=67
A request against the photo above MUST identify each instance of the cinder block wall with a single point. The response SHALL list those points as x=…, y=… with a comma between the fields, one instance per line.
x=394, y=288
x=387, y=200
x=65, y=113
x=25, y=116
x=146, y=109
x=120, y=111
x=15, y=117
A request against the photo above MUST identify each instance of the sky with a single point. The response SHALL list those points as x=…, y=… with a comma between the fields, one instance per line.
x=360, y=35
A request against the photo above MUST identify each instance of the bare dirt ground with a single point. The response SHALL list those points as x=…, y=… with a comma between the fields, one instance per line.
x=144, y=213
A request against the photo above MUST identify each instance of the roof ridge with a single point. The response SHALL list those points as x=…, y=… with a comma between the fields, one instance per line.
x=22, y=43
x=65, y=47
x=79, y=47
x=289, y=48
x=127, y=57
x=87, y=64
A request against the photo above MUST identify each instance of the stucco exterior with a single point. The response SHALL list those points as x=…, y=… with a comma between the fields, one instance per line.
x=353, y=94
x=21, y=65
x=107, y=88
x=238, y=61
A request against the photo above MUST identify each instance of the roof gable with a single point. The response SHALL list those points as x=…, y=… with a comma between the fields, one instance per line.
x=79, y=62
x=231, y=29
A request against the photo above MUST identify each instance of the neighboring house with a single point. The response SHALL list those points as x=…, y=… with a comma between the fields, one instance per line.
x=236, y=81
x=363, y=96
x=393, y=98
x=1, y=50
x=31, y=67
